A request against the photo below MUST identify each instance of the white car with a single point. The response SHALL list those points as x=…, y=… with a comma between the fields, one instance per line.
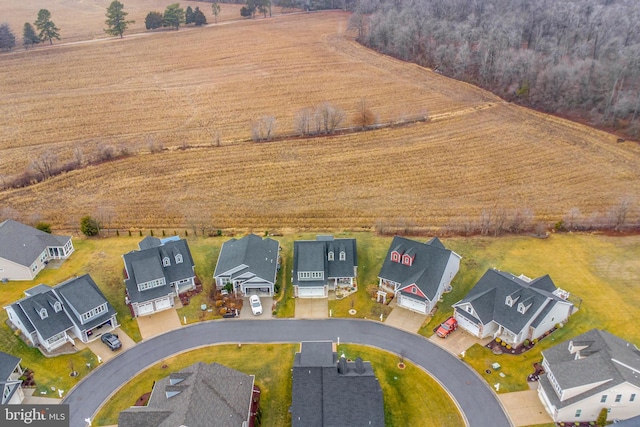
x=256, y=306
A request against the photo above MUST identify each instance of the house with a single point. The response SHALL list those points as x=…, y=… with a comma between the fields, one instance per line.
x=250, y=264
x=74, y=309
x=10, y=382
x=158, y=272
x=25, y=250
x=512, y=308
x=592, y=371
x=328, y=391
x=321, y=265
x=418, y=273
x=201, y=395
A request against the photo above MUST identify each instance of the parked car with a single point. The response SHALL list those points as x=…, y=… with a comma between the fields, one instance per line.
x=447, y=327
x=256, y=305
x=111, y=340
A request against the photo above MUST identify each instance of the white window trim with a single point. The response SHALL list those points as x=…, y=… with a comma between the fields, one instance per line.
x=166, y=262
x=343, y=256
x=178, y=258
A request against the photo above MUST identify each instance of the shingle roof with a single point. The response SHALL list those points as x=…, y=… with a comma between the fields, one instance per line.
x=8, y=364
x=488, y=298
x=312, y=255
x=83, y=294
x=334, y=395
x=23, y=244
x=426, y=272
x=211, y=396
x=53, y=324
x=260, y=256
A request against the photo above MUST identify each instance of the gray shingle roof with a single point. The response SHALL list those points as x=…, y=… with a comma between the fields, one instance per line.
x=260, y=256
x=488, y=298
x=146, y=264
x=23, y=244
x=603, y=358
x=427, y=269
x=83, y=294
x=211, y=396
x=8, y=364
x=53, y=324
x=312, y=255
x=334, y=395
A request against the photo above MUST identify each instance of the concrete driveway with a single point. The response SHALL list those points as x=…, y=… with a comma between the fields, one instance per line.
x=267, y=304
x=101, y=349
x=404, y=319
x=312, y=308
x=158, y=323
x=458, y=341
x=525, y=408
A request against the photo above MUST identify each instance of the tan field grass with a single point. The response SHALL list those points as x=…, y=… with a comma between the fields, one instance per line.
x=179, y=89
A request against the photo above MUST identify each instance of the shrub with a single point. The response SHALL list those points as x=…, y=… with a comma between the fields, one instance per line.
x=89, y=226
x=508, y=347
x=151, y=233
x=140, y=233
x=602, y=417
x=118, y=233
x=44, y=226
x=504, y=344
x=526, y=343
x=129, y=233
x=535, y=341
x=498, y=340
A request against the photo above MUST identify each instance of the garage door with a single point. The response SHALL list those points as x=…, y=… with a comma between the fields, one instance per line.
x=145, y=308
x=163, y=303
x=311, y=292
x=413, y=304
x=468, y=325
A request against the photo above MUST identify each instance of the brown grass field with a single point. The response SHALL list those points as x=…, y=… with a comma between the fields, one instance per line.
x=179, y=88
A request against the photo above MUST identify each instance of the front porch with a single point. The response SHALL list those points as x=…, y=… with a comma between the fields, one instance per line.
x=343, y=287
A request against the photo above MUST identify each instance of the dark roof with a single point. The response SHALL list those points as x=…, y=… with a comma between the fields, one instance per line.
x=336, y=394
x=312, y=255
x=80, y=295
x=602, y=357
x=23, y=244
x=426, y=272
x=30, y=306
x=207, y=396
x=146, y=264
x=259, y=256
x=8, y=364
x=488, y=298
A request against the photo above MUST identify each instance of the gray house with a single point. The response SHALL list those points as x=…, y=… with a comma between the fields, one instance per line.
x=590, y=372
x=158, y=272
x=418, y=273
x=328, y=391
x=25, y=251
x=250, y=264
x=10, y=382
x=50, y=317
x=512, y=308
x=322, y=265
x=200, y=395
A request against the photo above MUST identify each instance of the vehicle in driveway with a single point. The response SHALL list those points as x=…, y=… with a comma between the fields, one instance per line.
x=256, y=305
x=447, y=327
x=111, y=340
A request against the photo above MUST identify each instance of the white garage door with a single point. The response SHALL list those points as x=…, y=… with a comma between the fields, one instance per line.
x=311, y=292
x=145, y=308
x=468, y=325
x=163, y=303
x=413, y=304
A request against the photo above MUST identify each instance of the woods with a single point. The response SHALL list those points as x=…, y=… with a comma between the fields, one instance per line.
x=579, y=59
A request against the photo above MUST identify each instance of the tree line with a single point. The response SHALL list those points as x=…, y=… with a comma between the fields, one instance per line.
x=578, y=58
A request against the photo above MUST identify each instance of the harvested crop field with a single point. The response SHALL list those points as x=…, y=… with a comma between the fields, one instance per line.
x=180, y=89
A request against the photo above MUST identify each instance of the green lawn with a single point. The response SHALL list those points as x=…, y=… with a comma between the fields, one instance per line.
x=411, y=396
x=271, y=364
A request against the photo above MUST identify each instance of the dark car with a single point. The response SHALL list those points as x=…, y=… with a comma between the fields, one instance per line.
x=111, y=340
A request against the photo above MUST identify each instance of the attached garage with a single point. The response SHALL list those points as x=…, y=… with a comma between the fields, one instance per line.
x=311, y=292
x=163, y=304
x=467, y=324
x=257, y=288
x=145, y=308
x=412, y=304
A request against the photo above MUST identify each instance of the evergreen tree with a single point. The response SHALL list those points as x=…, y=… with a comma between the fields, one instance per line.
x=188, y=16
x=7, y=38
x=154, y=20
x=48, y=30
x=173, y=16
x=89, y=226
x=116, y=19
x=198, y=17
x=29, y=36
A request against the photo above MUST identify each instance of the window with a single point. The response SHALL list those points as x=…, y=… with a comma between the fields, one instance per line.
x=166, y=262
x=407, y=260
x=469, y=309
x=632, y=398
x=317, y=275
x=178, y=258
x=93, y=313
x=43, y=313
x=343, y=256
x=56, y=337
x=225, y=280
x=603, y=398
x=414, y=290
x=57, y=306
x=578, y=413
x=509, y=301
x=395, y=257
x=151, y=284
x=618, y=398
x=304, y=275
x=330, y=256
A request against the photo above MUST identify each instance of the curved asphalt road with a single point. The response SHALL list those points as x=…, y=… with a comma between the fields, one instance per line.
x=477, y=401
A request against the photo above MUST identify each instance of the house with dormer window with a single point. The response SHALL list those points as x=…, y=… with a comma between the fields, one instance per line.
x=158, y=272
x=512, y=308
x=249, y=264
x=590, y=372
x=322, y=265
x=418, y=273
x=10, y=382
x=49, y=317
x=25, y=251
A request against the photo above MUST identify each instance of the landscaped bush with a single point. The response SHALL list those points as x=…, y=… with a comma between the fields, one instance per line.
x=498, y=340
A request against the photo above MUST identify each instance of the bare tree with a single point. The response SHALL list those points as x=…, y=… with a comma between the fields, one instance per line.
x=486, y=221
x=263, y=128
x=303, y=121
x=45, y=165
x=364, y=116
x=330, y=117
x=618, y=214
